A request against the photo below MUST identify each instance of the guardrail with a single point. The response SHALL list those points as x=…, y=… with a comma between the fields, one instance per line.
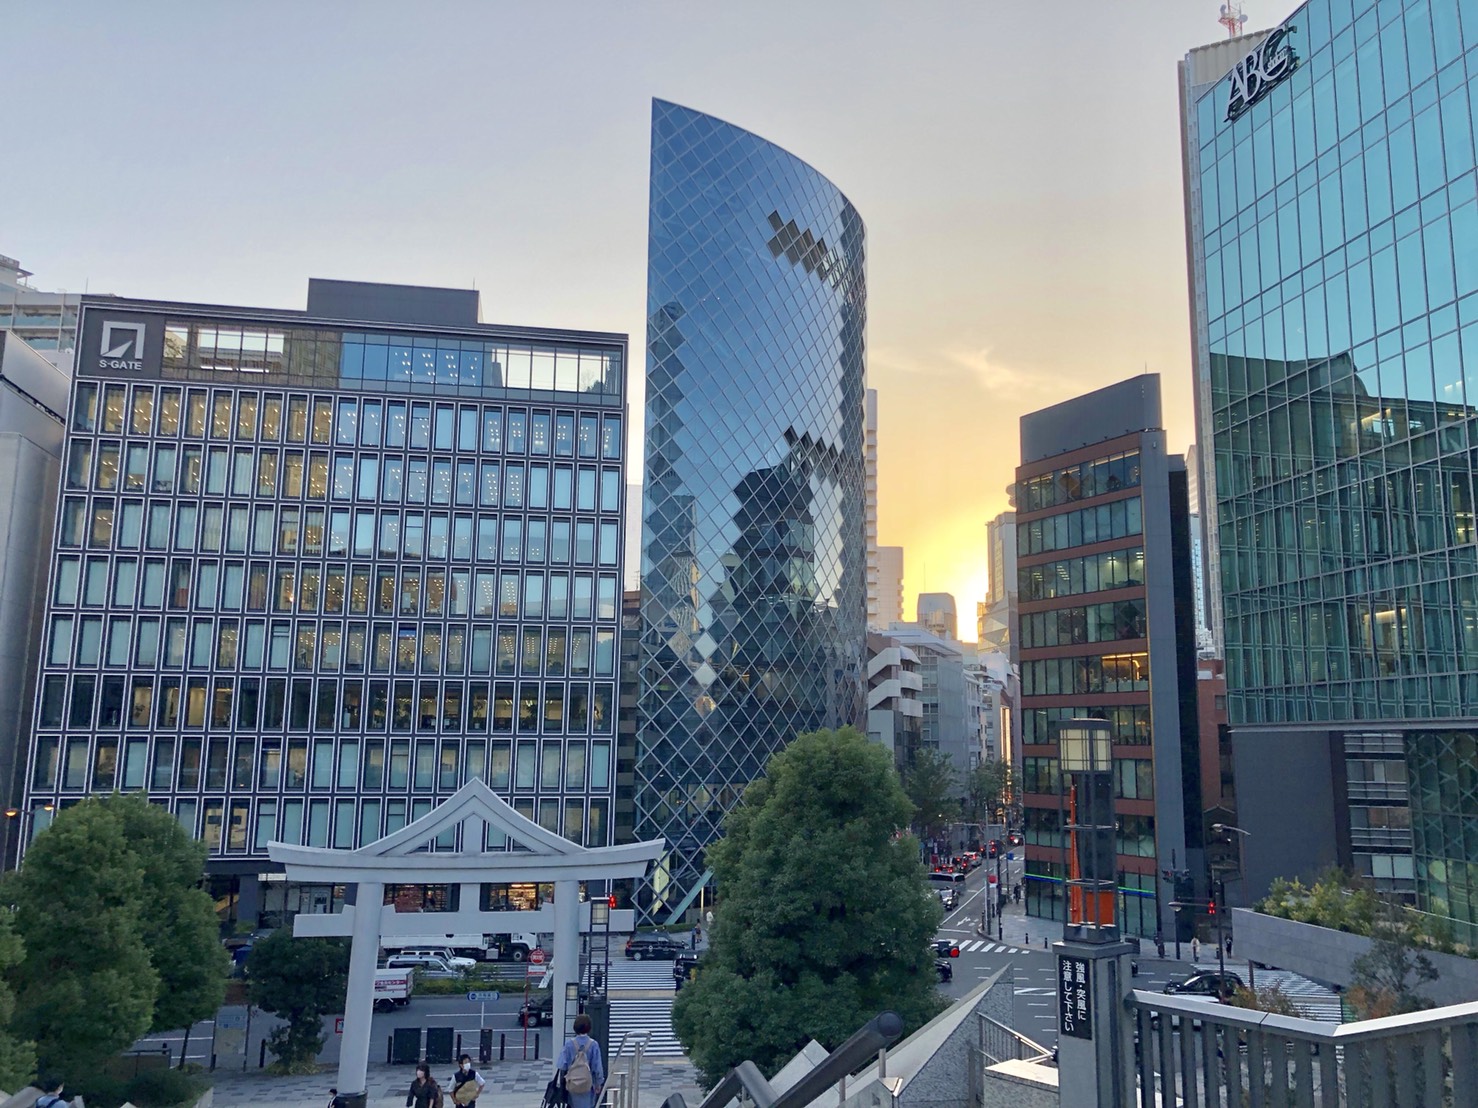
x=623, y=1081
x=1207, y=1055
x=998, y=1043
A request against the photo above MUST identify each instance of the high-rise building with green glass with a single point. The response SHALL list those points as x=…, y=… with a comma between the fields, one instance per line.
x=1332, y=225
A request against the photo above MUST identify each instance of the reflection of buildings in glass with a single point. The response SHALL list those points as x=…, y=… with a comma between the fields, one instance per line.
x=753, y=549
x=1332, y=314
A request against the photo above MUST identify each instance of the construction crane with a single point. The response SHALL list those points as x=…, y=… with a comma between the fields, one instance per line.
x=1233, y=19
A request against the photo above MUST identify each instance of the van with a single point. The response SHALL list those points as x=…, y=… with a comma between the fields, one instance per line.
x=455, y=961
x=954, y=880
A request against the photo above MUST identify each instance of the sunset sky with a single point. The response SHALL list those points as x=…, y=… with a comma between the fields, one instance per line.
x=1017, y=164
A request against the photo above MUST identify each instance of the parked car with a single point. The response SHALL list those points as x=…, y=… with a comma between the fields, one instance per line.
x=662, y=947
x=538, y=1010
x=1218, y=983
x=944, y=969
x=456, y=961
x=427, y=965
x=946, y=949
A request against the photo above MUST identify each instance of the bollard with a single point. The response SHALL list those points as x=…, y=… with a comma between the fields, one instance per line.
x=502, y=1045
x=537, y=1037
x=389, y=1049
x=212, y=1061
x=262, y=1056
x=458, y=1053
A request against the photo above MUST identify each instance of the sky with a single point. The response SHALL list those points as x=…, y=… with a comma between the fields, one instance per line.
x=1017, y=163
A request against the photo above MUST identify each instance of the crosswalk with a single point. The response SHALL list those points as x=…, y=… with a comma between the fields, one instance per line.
x=626, y=974
x=1312, y=1000
x=653, y=1016
x=984, y=946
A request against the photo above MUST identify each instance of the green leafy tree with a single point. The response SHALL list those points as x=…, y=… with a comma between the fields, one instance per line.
x=86, y=988
x=1385, y=979
x=301, y=980
x=986, y=787
x=826, y=917
x=178, y=917
x=933, y=788
x=17, y=1056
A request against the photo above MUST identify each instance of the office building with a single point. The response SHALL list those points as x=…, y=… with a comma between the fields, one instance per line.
x=45, y=321
x=33, y=405
x=754, y=589
x=316, y=569
x=889, y=590
x=950, y=723
x=997, y=615
x=1207, y=625
x=1333, y=248
x=870, y=513
x=895, y=715
x=1106, y=632
x=936, y=615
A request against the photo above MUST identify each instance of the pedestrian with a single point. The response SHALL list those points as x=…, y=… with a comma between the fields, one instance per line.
x=708, y=919
x=697, y=934
x=467, y=1083
x=580, y=1066
x=1195, y=949
x=1159, y=945
x=1229, y=946
x=424, y=1091
x=52, y=1097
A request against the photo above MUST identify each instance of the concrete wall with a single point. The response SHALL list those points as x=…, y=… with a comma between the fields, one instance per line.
x=1020, y=1085
x=1325, y=954
x=1290, y=814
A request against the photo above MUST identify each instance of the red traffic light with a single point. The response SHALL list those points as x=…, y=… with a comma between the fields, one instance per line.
x=1211, y=906
x=611, y=900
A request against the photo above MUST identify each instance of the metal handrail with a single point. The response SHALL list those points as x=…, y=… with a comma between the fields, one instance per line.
x=1027, y=1050
x=621, y=1049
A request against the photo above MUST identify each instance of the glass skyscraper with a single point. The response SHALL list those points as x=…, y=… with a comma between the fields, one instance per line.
x=1333, y=217
x=753, y=603
x=311, y=576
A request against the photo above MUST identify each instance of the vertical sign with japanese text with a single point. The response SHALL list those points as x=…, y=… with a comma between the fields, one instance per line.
x=1074, y=1007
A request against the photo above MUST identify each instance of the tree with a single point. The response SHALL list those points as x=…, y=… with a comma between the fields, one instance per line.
x=933, y=788
x=986, y=787
x=1385, y=979
x=86, y=988
x=178, y=916
x=826, y=916
x=17, y=1057
x=301, y=980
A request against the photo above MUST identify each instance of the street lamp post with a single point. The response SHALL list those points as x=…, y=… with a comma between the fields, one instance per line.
x=1222, y=829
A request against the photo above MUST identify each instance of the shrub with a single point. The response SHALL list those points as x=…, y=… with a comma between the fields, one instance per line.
x=165, y=1089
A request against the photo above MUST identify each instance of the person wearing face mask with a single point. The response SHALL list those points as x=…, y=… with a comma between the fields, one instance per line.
x=424, y=1092
x=467, y=1083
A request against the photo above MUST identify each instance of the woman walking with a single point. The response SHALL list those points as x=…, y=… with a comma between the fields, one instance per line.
x=580, y=1066
x=424, y=1091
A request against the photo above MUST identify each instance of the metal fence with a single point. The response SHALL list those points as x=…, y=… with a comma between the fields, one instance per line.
x=1202, y=1054
x=998, y=1043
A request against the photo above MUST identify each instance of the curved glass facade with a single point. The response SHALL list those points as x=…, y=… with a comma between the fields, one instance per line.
x=1335, y=239
x=753, y=604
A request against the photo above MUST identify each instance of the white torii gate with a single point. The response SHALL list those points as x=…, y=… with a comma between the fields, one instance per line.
x=393, y=860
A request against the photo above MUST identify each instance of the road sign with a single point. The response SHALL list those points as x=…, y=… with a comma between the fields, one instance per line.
x=338, y=1025
x=483, y=997
x=1011, y=856
x=536, y=956
x=990, y=879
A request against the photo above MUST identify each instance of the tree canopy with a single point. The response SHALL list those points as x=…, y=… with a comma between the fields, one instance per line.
x=176, y=914
x=301, y=980
x=17, y=1057
x=933, y=787
x=825, y=916
x=85, y=988
x=986, y=787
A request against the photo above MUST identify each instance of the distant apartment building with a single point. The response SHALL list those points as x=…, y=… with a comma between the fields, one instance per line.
x=1105, y=631
x=33, y=405
x=885, y=599
x=948, y=726
x=45, y=321
x=895, y=712
x=937, y=615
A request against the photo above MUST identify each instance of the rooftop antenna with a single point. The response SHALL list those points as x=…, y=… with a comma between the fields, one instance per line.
x=1233, y=19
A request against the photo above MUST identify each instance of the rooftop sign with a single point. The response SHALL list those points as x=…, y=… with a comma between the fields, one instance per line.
x=1255, y=75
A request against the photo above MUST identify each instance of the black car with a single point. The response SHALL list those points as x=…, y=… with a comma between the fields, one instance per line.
x=1217, y=983
x=539, y=1008
x=660, y=947
x=946, y=949
x=944, y=969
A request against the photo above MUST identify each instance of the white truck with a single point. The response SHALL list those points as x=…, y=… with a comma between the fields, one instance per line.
x=514, y=946
x=393, y=988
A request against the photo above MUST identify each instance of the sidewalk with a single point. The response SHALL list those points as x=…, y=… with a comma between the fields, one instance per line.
x=1016, y=928
x=509, y=1085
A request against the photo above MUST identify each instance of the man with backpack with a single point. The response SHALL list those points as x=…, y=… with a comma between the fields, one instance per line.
x=580, y=1066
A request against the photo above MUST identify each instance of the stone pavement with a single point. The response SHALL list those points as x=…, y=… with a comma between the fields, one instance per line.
x=509, y=1085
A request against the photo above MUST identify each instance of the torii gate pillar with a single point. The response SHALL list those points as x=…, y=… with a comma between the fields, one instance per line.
x=359, y=999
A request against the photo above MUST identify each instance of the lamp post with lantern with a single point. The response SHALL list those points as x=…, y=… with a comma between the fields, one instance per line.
x=1095, y=1052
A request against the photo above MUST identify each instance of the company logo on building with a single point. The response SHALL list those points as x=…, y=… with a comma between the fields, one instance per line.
x=1255, y=75
x=122, y=346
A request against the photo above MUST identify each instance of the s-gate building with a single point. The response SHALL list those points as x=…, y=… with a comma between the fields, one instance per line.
x=754, y=591
x=1332, y=221
x=314, y=570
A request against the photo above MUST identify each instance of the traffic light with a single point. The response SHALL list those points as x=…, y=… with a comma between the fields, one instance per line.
x=1211, y=907
x=612, y=900
x=992, y=848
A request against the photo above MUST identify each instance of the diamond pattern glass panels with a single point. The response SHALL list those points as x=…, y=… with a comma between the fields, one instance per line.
x=753, y=579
